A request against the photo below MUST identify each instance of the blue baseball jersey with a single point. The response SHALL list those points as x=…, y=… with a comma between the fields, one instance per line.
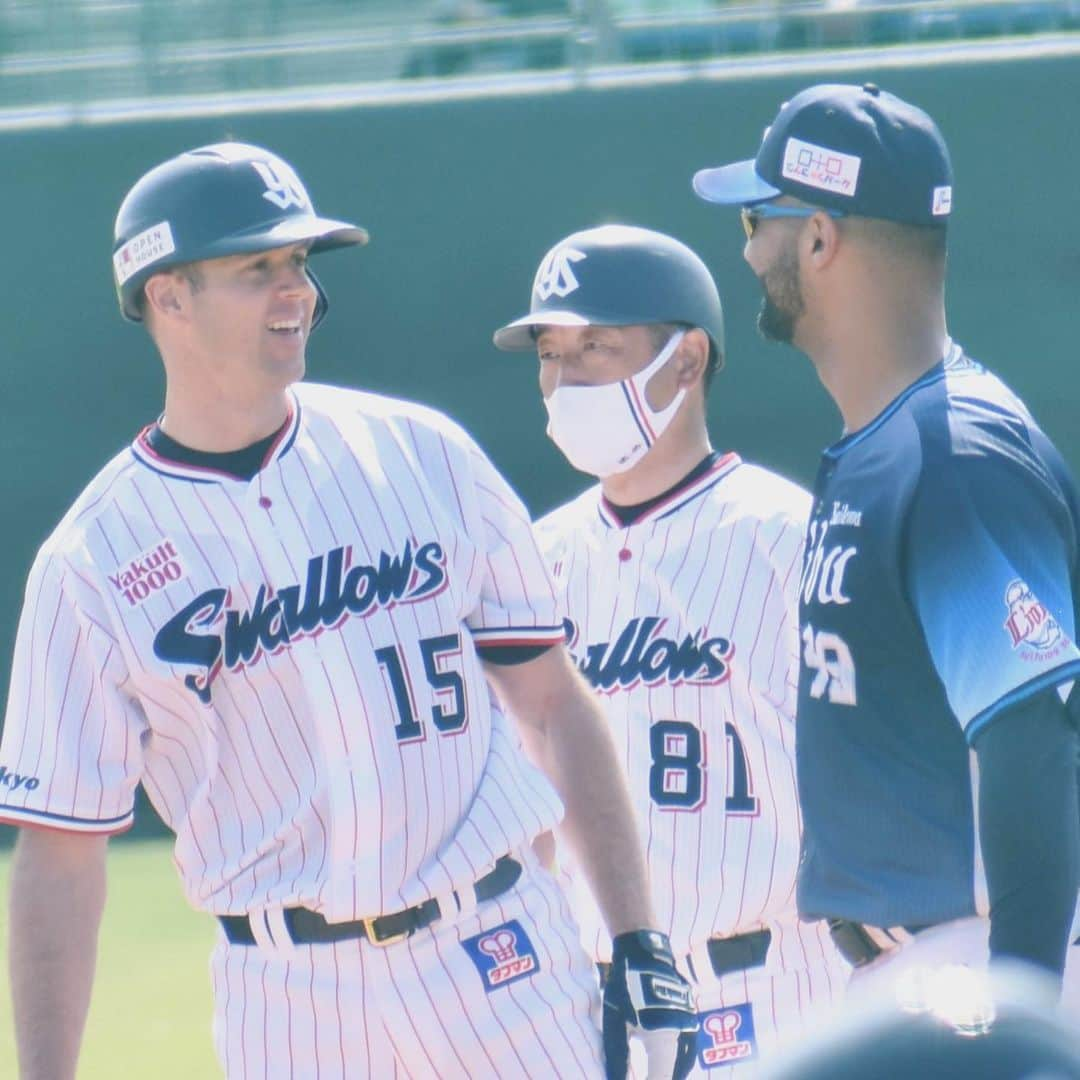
x=939, y=586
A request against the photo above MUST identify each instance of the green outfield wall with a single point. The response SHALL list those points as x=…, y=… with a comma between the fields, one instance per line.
x=462, y=198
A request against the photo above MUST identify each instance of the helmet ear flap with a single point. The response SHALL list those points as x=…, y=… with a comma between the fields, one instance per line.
x=322, y=303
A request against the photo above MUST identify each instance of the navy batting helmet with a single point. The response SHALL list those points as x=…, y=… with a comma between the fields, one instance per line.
x=949, y=1023
x=619, y=275
x=227, y=199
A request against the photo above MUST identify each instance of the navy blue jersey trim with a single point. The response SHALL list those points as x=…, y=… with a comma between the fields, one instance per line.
x=292, y=438
x=26, y=810
x=1071, y=670
x=170, y=474
x=276, y=453
x=510, y=655
x=934, y=375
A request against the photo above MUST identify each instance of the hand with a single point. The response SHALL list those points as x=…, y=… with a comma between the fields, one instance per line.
x=643, y=989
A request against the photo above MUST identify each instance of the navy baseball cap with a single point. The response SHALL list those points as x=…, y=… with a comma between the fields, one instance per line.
x=857, y=149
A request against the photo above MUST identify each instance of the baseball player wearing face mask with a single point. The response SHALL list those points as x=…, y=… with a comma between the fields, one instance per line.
x=293, y=612
x=677, y=576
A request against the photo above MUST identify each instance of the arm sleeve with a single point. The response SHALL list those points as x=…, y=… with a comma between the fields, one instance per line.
x=517, y=604
x=1029, y=829
x=987, y=564
x=71, y=753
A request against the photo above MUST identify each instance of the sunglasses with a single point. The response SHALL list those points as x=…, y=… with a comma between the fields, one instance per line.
x=752, y=215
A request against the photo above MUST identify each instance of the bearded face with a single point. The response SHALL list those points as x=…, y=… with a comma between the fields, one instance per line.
x=782, y=303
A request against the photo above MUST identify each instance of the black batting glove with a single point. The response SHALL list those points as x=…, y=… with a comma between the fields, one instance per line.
x=644, y=991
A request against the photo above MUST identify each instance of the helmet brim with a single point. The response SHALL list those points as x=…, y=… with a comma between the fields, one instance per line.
x=325, y=233
x=518, y=335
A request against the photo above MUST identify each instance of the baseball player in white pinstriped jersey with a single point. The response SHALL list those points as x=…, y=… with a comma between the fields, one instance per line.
x=678, y=578
x=272, y=609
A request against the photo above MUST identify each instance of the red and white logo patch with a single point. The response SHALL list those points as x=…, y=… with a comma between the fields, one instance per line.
x=1033, y=632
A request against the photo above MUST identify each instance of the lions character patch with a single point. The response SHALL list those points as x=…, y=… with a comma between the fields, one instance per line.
x=502, y=955
x=726, y=1037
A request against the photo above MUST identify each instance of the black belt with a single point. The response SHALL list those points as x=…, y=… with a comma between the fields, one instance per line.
x=738, y=953
x=310, y=928
x=855, y=945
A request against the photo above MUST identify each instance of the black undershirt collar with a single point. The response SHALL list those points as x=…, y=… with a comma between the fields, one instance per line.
x=243, y=463
x=627, y=515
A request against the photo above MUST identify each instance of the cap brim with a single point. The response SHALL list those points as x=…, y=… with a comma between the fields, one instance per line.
x=733, y=184
x=325, y=232
x=517, y=336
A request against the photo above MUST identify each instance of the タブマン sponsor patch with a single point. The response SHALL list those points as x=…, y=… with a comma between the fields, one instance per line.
x=726, y=1037
x=502, y=955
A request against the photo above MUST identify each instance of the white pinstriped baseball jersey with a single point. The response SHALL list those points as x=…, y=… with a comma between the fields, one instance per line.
x=685, y=624
x=290, y=665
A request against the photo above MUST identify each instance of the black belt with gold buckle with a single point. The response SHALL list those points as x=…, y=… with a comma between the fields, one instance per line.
x=308, y=927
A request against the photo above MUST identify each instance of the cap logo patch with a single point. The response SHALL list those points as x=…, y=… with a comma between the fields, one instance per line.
x=283, y=187
x=143, y=250
x=818, y=167
x=556, y=276
x=942, y=201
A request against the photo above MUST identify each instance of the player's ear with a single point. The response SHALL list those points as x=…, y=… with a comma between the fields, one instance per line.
x=820, y=239
x=692, y=357
x=163, y=294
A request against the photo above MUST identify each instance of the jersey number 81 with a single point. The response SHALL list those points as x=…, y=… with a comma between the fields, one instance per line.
x=678, y=774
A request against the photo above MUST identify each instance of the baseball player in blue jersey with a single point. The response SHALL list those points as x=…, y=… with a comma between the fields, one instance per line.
x=937, y=716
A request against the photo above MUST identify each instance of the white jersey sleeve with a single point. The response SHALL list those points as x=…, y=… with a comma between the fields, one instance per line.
x=78, y=771
x=517, y=603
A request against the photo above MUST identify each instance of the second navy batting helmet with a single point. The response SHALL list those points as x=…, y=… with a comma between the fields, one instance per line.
x=227, y=199
x=947, y=1023
x=619, y=275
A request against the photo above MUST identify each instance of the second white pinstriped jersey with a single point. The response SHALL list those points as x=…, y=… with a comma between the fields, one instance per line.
x=685, y=624
x=289, y=664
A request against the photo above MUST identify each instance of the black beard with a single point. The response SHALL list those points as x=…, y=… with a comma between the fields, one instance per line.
x=775, y=324
x=782, y=303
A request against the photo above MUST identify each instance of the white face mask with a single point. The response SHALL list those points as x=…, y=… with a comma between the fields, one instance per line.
x=607, y=429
